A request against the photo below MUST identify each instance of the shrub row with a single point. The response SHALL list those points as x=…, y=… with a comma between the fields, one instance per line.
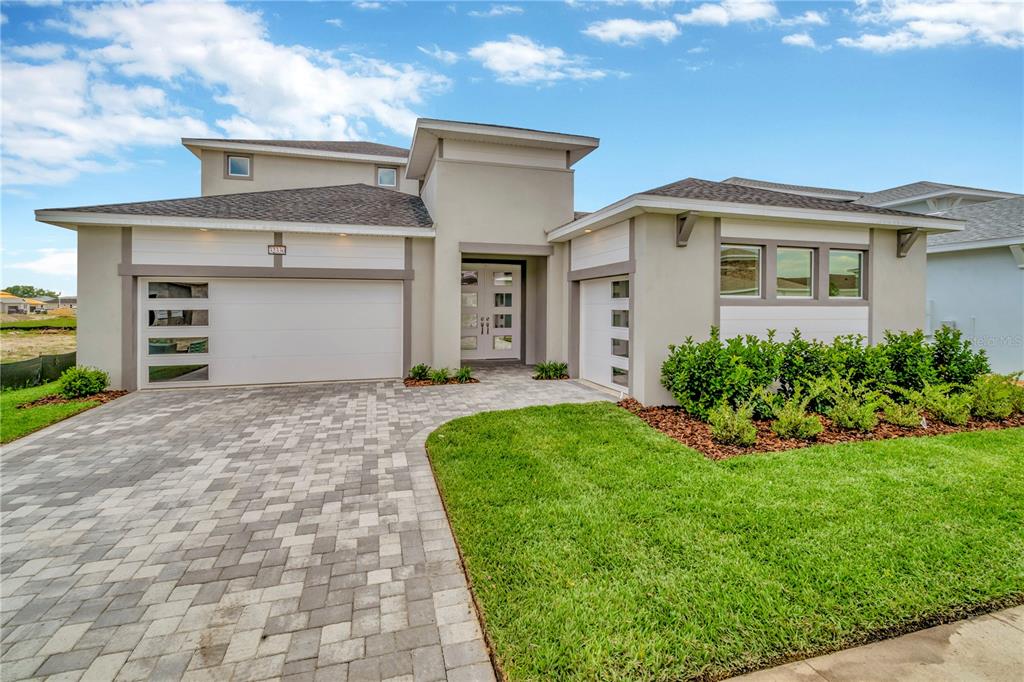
x=441, y=375
x=703, y=375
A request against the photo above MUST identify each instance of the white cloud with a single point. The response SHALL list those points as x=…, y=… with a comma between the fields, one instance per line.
x=42, y=51
x=497, y=11
x=697, y=50
x=632, y=31
x=363, y=4
x=729, y=11
x=55, y=262
x=909, y=24
x=799, y=40
x=441, y=55
x=809, y=18
x=3, y=19
x=338, y=23
x=520, y=61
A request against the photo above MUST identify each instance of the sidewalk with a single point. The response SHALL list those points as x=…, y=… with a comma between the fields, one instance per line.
x=988, y=648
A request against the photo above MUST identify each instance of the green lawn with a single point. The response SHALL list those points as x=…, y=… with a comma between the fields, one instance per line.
x=600, y=549
x=41, y=323
x=15, y=423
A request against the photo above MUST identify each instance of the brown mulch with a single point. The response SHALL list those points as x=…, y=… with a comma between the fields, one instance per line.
x=427, y=382
x=104, y=397
x=564, y=376
x=692, y=432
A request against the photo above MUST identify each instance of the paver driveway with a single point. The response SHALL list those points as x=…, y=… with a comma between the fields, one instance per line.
x=245, y=533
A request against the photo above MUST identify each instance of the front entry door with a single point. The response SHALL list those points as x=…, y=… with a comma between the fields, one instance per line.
x=491, y=311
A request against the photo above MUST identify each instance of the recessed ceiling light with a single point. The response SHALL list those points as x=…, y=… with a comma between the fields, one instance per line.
x=342, y=234
x=588, y=231
x=203, y=229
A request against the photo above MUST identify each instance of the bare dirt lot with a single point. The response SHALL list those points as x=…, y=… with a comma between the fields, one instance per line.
x=25, y=344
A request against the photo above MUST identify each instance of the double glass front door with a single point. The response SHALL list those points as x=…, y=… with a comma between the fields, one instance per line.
x=490, y=311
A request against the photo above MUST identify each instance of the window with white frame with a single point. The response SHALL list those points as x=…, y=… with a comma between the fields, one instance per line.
x=387, y=177
x=740, y=270
x=238, y=166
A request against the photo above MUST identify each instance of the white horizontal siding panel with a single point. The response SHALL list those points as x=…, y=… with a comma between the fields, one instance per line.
x=334, y=251
x=768, y=229
x=487, y=152
x=171, y=246
x=606, y=246
x=814, y=322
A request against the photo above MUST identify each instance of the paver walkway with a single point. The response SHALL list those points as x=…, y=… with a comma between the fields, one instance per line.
x=988, y=648
x=246, y=534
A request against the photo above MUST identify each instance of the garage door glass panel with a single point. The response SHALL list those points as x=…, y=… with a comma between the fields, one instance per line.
x=470, y=320
x=187, y=344
x=620, y=348
x=470, y=278
x=469, y=300
x=178, y=290
x=620, y=318
x=503, y=279
x=178, y=318
x=620, y=376
x=175, y=373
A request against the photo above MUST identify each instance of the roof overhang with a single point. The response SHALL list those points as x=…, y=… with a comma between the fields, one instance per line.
x=976, y=244
x=646, y=203
x=952, y=191
x=428, y=131
x=74, y=219
x=196, y=146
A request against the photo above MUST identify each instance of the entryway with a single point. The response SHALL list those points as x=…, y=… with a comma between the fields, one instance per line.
x=491, y=320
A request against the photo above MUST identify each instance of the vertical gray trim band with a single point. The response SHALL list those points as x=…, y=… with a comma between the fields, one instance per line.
x=407, y=311
x=632, y=304
x=866, y=283
x=278, y=241
x=129, y=315
x=574, y=329
x=716, y=290
x=440, y=147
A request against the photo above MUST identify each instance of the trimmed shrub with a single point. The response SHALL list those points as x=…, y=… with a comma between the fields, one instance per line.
x=793, y=421
x=464, y=375
x=550, y=370
x=953, y=359
x=906, y=415
x=1018, y=395
x=420, y=372
x=992, y=396
x=79, y=382
x=946, y=406
x=733, y=426
x=909, y=358
x=440, y=375
x=850, y=406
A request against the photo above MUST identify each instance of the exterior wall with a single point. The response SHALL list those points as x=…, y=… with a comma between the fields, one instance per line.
x=896, y=285
x=771, y=229
x=814, y=322
x=422, y=301
x=173, y=246
x=557, y=338
x=962, y=290
x=486, y=152
x=334, y=251
x=99, y=287
x=486, y=203
x=609, y=245
x=673, y=297
x=289, y=172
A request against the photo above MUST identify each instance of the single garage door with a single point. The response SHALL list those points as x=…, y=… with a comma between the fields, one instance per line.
x=220, y=332
x=604, y=332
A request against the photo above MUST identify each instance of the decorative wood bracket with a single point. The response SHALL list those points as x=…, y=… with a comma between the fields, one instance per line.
x=905, y=240
x=1017, y=250
x=684, y=227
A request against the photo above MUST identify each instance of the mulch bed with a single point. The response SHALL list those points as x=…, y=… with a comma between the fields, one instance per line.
x=692, y=432
x=104, y=397
x=427, y=382
x=564, y=376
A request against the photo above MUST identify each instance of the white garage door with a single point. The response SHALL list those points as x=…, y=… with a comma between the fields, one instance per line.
x=260, y=331
x=604, y=332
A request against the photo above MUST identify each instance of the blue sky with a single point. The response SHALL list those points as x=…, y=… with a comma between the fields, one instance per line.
x=851, y=95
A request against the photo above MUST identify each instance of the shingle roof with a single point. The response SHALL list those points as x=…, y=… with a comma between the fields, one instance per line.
x=345, y=147
x=998, y=219
x=914, y=189
x=707, y=190
x=794, y=189
x=338, y=205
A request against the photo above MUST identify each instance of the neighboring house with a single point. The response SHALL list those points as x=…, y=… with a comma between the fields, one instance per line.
x=52, y=303
x=975, y=277
x=314, y=261
x=11, y=304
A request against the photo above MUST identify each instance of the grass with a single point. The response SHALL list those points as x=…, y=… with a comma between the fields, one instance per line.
x=41, y=323
x=601, y=549
x=15, y=423
x=25, y=344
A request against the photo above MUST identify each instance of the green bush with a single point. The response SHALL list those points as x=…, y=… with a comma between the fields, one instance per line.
x=464, y=375
x=909, y=358
x=848, y=405
x=733, y=426
x=79, y=382
x=420, y=372
x=440, y=375
x=905, y=414
x=953, y=359
x=946, y=406
x=792, y=419
x=550, y=370
x=1018, y=395
x=992, y=396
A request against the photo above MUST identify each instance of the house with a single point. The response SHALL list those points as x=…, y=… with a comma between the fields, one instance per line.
x=315, y=261
x=11, y=304
x=975, y=276
x=52, y=303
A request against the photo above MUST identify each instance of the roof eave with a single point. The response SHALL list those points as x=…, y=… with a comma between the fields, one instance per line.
x=195, y=146
x=646, y=203
x=976, y=244
x=938, y=194
x=74, y=219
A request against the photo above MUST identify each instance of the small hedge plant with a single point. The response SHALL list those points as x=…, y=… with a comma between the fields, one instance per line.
x=946, y=406
x=792, y=419
x=80, y=382
x=849, y=405
x=733, y=425
x=550, y=370
x=441, y=375
x=464, y=375
x=420, y=372
x=993, y=396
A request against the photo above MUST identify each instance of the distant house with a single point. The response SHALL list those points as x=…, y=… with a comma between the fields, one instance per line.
x=975, y=276
x=11, y=304
x=51, y=303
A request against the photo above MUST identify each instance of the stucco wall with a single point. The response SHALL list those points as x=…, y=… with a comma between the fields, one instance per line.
x=468, y=150
x=897, y=285
x=99, y=294
x=422, y=300
x=288, y=172
x=608, y=245
x=982, y=293
x=486, y=203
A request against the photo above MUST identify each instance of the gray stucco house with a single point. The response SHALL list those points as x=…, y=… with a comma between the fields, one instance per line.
x=321, y=260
